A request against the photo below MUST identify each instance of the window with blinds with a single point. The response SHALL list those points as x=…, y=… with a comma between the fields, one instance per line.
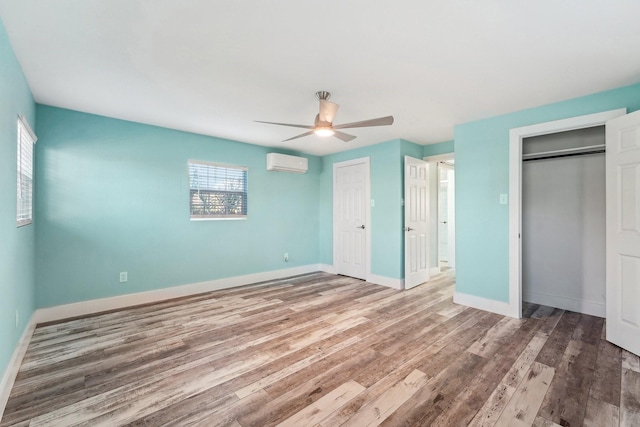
x=217, y=191
x=26, y=139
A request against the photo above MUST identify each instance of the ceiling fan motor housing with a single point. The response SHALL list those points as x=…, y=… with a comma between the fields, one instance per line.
x=321, y=123
x=323, y=95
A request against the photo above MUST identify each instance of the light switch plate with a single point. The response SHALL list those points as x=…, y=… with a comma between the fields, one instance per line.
x=504, y=199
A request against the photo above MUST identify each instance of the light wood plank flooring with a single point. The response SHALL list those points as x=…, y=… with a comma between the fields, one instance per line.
x=325, y=350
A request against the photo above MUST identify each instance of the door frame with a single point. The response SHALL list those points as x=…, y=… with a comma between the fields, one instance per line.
x=367, y=213
x=451, y=219
x=433, y=201
x=516, y=136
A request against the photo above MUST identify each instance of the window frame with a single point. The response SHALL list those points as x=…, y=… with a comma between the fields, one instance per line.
x=217, y=217
x=26, y=141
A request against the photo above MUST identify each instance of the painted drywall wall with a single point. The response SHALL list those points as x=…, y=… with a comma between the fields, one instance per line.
x=438, y=148
x=115, y=197
x=16, y=244
x=387, y=214
x=482, y=174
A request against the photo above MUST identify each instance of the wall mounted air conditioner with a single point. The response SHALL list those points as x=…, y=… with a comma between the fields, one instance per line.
x=285, y=163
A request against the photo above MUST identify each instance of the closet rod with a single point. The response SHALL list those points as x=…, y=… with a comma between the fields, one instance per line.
x=567, y=152
x=557, y=156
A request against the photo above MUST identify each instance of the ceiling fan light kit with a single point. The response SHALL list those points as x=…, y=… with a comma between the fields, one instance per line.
x=324, y=131
x=323, y=123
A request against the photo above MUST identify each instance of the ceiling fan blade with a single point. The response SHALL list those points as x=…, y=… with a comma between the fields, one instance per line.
x=344, y=136
x=285, y=124
x=328, y=111
x=382, y=121
x=299, y=136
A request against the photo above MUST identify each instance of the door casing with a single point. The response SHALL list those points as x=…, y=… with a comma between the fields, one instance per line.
x=451, y=214
x=433, y=205
x=516, y=136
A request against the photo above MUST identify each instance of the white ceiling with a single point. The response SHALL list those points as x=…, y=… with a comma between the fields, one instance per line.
x=213, y=67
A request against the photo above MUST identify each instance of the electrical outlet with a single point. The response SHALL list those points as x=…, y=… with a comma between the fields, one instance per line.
x=504, y=199
x=123, y=276
x=17, y=318
x=286, y=257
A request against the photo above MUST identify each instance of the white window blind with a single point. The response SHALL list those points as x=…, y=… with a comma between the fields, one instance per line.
x=217, y=191
x=26, y=139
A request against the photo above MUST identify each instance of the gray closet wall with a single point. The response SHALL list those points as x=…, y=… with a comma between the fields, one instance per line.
x=563, y=219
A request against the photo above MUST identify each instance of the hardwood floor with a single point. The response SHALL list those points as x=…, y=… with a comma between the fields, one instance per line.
x=324, y=350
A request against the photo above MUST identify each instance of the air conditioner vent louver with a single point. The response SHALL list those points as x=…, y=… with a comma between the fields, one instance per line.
x=285, y=163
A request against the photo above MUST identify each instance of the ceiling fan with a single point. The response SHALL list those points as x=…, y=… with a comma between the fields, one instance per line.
x=323, y=125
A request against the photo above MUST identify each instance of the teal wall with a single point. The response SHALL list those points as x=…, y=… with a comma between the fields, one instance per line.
x=16, y=244
x=387, y=216
x=439, y=148
x=482, y=173
x=114, y=196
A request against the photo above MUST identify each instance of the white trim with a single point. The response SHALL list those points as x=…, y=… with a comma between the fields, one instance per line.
x=371, y=278
x=591, y=308
x=516, y=135
x=13, y=367
x=220, y=165
x=367, y=213
x=386, y=281
x=30, y=131
x=122, y=301
x=327, y=268
x=485, y=304
x=440, y=157
x=434, y=270
x=222, y=218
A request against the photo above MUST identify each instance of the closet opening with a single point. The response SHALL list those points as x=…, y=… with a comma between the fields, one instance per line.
x=563, y=220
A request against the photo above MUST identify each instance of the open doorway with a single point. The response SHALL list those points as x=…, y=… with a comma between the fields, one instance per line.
x=442, y=224
x=446, y=215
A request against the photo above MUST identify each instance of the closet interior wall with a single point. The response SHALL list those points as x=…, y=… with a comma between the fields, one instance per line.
x=563, y=221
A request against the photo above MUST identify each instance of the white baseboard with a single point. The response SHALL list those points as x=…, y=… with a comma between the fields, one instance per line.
x=434, y=271
x=84, y=308
x=499, y=307
x=371, y=278
x=14, y=364
x=327, y=268
x=386, y=281
x=591, y=308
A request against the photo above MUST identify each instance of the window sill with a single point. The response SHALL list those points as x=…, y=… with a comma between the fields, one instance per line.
x=219, y=219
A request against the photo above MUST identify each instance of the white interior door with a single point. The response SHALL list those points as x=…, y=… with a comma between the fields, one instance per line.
x=351, y=183
x=416, y=222
x=623, y=231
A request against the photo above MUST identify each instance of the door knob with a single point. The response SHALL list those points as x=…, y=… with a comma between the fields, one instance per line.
x=409, y=229
x=362, y=226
